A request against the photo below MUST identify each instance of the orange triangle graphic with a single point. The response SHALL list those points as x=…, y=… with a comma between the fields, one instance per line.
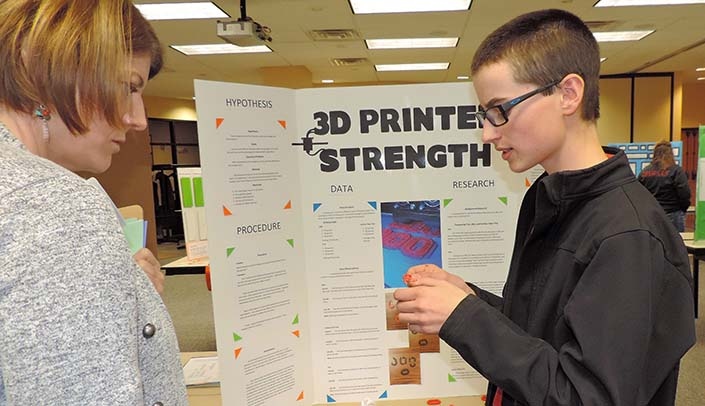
x=288, y=205
x=282, y=123
x=237, y=352
x=296, y=333
x=226, y=212
x=526, y=182
x=301, y=396
x=218, y=121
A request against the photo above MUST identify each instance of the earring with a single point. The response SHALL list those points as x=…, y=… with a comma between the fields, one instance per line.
x=42, y=112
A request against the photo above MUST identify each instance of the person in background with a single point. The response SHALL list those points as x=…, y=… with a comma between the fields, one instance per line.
x=80, y=322
x=668, y=183
x=597, y=308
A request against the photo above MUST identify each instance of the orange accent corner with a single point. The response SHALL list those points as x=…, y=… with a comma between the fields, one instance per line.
x=526, y=182
x=237, y=352
x=288, y=205
x=282, y=123
x=226, y=212
x=219, y=121
x=296, y=333
x=301, y=396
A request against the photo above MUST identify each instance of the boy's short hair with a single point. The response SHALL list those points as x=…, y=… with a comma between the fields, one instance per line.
x=544, y=46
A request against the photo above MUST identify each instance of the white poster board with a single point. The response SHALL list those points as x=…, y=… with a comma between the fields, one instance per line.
x=317, y=201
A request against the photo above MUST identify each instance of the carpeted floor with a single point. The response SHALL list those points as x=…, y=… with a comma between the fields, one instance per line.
x=189, y=303
x=691, y=383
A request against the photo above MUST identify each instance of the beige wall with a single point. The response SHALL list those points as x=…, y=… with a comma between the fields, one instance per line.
x=293, y=77
x=174, y=109
x=615, y=110
x=652, y=109
x=694, y=105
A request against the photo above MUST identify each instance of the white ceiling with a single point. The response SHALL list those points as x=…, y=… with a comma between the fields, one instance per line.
x=678, y=45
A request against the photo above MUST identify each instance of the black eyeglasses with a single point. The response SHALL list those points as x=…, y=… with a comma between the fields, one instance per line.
x=497, y=114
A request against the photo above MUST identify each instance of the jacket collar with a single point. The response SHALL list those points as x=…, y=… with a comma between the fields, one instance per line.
x=564, y=186
x=555, y=194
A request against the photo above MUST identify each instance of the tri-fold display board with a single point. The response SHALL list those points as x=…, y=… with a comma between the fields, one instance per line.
x=317, y=202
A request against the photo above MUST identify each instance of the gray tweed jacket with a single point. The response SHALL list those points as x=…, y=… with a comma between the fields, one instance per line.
x=80, y=323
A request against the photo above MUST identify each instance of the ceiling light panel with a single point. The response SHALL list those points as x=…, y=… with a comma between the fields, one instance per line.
x=411, y=66
x=404, y=43
x=407, y=6
x=215, y=49
x=625, y=3
x=181, y=11
x=614, y=36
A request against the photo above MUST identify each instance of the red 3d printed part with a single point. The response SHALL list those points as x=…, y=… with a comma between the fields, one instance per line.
x=418, y=247
x=394, y=239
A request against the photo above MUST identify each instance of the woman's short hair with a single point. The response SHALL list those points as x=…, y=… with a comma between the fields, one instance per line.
x=72, y=56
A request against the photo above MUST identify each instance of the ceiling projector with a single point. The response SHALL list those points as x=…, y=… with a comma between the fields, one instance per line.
x=243, y=32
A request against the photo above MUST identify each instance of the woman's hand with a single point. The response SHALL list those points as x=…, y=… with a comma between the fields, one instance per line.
x=151, y=266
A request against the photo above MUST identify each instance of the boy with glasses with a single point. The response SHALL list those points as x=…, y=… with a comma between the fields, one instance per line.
x=597, y=308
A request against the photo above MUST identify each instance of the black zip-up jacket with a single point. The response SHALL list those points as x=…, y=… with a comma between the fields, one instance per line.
x=669, y=187
x=598, y=304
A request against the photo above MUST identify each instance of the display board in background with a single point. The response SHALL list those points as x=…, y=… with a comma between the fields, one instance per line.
x=641, y=153
x=193, y=212
x=317, y=201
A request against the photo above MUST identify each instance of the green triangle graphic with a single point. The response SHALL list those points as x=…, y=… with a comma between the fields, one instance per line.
x=503, y=199
x=236, y=337
x=446, y=202
x=291, y=242
x=229, y=251
x=296, y=320
x=451, y=378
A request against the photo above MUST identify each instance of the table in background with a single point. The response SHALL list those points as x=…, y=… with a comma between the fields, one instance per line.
x=210, y=395
x=184, y=266
x=201, y=395
x=697, y=249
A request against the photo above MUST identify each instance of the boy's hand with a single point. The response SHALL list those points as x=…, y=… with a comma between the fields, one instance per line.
x=426, y=305
x=415, y=273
